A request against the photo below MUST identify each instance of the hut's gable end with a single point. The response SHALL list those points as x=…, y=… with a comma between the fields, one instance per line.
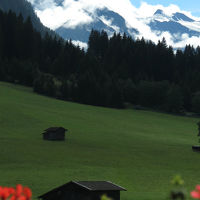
x=68, y=191
x=89, y=195
x=90, y=190
x=96, y=195
x=74, y=192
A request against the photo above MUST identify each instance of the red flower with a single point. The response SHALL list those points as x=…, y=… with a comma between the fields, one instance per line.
x=22, y=198
x=11, y=190
x=13, y=198
x=1, y=191
x=27, y=192
x=196, y=193
x=20, y=193
x=19, y=190
x=4, y=193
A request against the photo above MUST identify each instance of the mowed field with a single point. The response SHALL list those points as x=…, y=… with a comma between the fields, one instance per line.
x=139, y=150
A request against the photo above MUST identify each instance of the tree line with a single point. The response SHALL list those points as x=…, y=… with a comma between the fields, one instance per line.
x=113, y=71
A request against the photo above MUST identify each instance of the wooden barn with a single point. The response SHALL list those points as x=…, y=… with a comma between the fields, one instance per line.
x=54, y=133
x=84, y=190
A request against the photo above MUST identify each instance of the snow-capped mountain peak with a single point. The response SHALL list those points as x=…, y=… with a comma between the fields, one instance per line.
x=159, y=12
x=177, y=16
x=74, y=19
x=101, y=19
x=176, y=26
x=180, y=16
x=159, y=15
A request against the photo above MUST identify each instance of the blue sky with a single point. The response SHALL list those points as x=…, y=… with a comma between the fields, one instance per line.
x=192, y=6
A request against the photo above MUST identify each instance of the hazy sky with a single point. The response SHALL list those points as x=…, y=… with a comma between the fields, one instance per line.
x=188, y=5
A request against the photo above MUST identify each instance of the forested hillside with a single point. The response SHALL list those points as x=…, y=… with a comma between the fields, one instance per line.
x=26, y=9
x=111, y=72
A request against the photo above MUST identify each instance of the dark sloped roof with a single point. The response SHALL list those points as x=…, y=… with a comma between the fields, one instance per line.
x=54, y=129
x=88, y=185
x=99, y=185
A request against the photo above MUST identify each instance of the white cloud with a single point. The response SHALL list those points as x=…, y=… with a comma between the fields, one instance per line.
x=186, y=40
x=80, y=44
x=32, y=1
x=147, y=10
x=142, y=16
x=42, y=5
x=193, y=26
x=72, y=13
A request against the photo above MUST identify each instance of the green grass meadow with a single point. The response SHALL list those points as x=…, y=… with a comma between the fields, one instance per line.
x=139, y=150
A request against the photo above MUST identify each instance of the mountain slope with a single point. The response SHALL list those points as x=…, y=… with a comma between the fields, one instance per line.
x=175, y=24
x=75, y=19
x=102, y=144
x=102, y=19
x=26, y=9
x=179, y=16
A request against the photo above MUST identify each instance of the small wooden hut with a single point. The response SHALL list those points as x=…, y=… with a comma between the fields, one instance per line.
x=197, y=148
x=54, y=133
x=84, y=190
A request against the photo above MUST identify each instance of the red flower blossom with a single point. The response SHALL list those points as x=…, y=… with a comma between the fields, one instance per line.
x=4, y=193
x=20, y=193
x=196, y=193
x=1, y=191
x=27, y=192
x=22, y=198
x=19, y=190
x=13, y=198
x=11, y=190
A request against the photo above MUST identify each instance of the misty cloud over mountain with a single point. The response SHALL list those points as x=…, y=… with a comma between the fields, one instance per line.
x=76, y=18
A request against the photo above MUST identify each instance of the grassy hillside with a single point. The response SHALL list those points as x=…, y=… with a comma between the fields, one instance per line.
x=138, y=150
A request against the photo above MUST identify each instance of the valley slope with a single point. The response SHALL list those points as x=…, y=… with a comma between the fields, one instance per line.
x=139, y=150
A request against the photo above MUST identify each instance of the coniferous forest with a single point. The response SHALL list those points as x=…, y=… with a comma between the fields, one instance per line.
x=112, y=72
